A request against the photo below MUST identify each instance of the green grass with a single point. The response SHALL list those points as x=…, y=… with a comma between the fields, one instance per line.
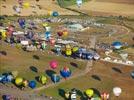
x=21, y=61
x=82, y=83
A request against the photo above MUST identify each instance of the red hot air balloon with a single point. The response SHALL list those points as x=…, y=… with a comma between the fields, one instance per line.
x=60, y=33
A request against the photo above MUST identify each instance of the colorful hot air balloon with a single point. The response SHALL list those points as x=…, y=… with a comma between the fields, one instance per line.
x=65, y=72
x=32, y=84
x=53, y=64
x=105, y=96
x=25, y=83
x=43, y=79
x=89, y=92
x=55, y=78
x=52, y=41
x=18, y=81
x=44, y=24
x=10, y=29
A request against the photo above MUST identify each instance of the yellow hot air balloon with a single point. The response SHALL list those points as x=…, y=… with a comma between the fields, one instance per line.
x=44, y=24
x=43, y=79
x=50, y=13
x=68, y=46
x=75, y=49
x=68, y=52
x=26, y=5
x=89, y=92
x=3, y=33
x=18, y=81
x=65, y=33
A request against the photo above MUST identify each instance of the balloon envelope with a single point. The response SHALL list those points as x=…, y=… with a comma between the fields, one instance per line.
x=55, y=78
x=18, y=81
x=55, y=14
x=89, y=92
x=26, y=5
x=65, y=72
x=117, y=91
x=32, y=84
x=43, y=79
x=53, y=64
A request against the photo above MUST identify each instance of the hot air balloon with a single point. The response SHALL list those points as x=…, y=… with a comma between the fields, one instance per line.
x=53, y=64
x=47, y=35
x=43, y=79
x=65, y=33
x=117, y=91
x=18, y=81
x=105, y=96
x=50, y=13
x=132, y=74
x=68, y=50
x=117, y=45
x=73, y=95
x=14, y=73
x=67, y=95
x=65, y=72
x=52, y=41
x=60, y=33
x=43, y=45
x=75, y=49
x=26, y=5
x=32, y=84
x=79, y=3
x=21, y=22
x=89, y=92
x=25, y=83
x=55, y=78
x=44, y=24
x=9, y=78
x=10, y=29
x=3, y=79
x=55, y=14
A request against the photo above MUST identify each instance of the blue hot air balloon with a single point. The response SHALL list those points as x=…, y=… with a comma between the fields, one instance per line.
x=117, y=45
x=132, y=74
x=22, y=23
x=32, y=84
x=55, y=14
x=55, y=78
x=47, y=35
x=65, y=72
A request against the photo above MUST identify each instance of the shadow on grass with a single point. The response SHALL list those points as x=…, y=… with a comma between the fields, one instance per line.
x=36, y=57
x=62, y=93
x=96, y=77
x=74, y=64
x=116, y=69
x=50, y=72
x=34, y=69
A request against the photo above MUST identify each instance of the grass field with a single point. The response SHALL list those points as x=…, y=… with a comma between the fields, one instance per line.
x=107, y=8
x=21, y=61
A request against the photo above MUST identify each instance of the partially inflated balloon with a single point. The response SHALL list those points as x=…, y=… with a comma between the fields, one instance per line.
x=53, y=64
x=89, y=92
x=18, y=81
x=26, y=5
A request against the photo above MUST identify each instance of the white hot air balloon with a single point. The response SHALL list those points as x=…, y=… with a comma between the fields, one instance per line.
x=117, y=91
